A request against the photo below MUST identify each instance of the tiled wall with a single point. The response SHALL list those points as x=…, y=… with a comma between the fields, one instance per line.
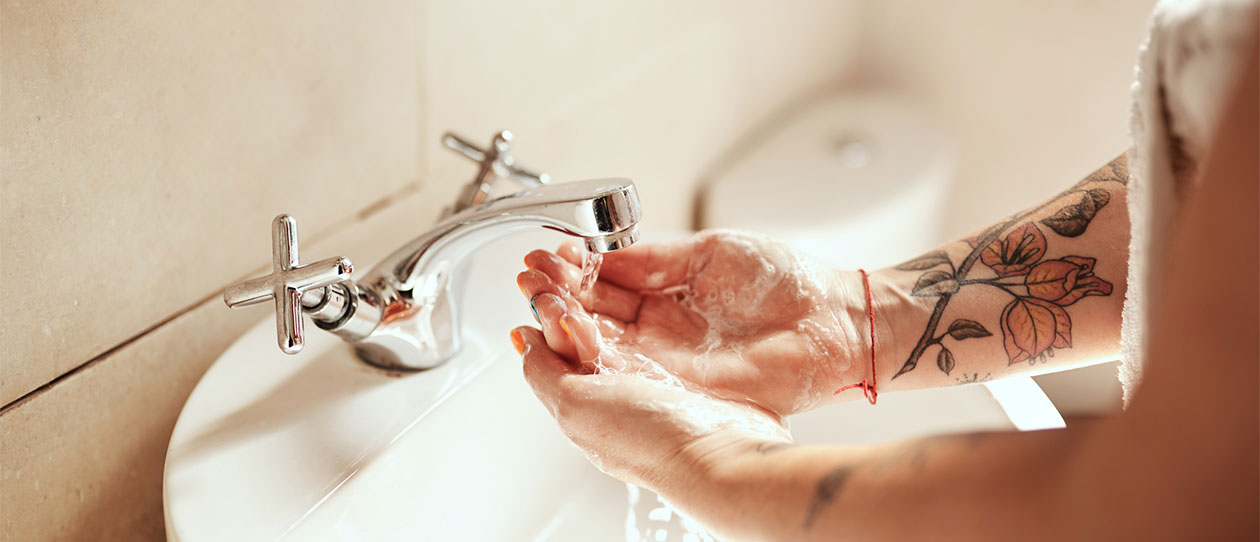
x=146, y=146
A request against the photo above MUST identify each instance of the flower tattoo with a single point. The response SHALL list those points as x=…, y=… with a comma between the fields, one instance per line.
x=1065, y=281
x=1016, y=253
x=1035, y=322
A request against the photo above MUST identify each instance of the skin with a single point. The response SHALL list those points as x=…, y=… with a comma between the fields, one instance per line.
x=784, y=339
x=1179, y=464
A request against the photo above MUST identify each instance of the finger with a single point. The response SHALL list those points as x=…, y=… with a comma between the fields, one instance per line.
x=544, y=370
x=609, y=327
x=585, y=335
x=551, y=312
x=649, y=266
x=571, y=253
x=560, y=271
x=533, y=282
x=591, y=349
x=605, y=298
x=548, y=307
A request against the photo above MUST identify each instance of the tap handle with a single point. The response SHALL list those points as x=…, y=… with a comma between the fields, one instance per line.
x=496, y=159
x=287, y=282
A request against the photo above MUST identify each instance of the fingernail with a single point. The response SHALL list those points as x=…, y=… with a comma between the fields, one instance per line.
x=534, y=308
x=565, y=326
x=518, y=342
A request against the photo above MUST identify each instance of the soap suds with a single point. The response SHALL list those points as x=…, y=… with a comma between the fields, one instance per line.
x=745, y=281
x=655, y=280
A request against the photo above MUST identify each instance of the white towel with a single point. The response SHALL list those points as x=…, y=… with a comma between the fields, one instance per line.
x=1185, y=71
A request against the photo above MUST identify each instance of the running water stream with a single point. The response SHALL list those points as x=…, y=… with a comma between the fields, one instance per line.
x=591, y=263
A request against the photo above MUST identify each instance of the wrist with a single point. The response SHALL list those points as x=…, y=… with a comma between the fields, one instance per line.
x=881, y=301
x=720, y=497
x=701, y=478
x=898, y=320
x=704, y=458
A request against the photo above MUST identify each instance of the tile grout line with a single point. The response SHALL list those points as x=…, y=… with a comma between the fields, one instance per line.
x=101, y=357
x=359, y=216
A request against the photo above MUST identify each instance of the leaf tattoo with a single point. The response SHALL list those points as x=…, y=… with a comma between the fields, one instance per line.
x=1030, y=326
x=967, y=329
x=926, y=261
x=1035, y=322
x=1072, y=220
x=935, y=283
x=945, y=360
x=1116, y=171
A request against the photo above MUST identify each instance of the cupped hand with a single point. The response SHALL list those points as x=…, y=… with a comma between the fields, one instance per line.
x=741, y=316
x=650, y=432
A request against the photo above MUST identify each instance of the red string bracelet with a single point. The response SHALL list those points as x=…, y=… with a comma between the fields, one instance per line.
x=868, y=386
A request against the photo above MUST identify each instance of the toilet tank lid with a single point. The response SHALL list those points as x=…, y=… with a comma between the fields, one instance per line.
x=846, y=155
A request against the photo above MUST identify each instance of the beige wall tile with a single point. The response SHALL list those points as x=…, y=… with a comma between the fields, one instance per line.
x=83, y=459
x=146, y=146
x=654, y=91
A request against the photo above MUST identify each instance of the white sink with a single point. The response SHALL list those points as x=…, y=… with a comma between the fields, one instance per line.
x=319, y=446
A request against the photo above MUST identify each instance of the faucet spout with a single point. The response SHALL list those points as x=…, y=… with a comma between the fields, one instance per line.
x=603, y=212
x=404, y=316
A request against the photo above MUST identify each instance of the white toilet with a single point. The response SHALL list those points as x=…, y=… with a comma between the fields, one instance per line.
x=855, y=180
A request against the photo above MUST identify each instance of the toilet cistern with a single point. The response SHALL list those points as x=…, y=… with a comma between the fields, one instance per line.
x=404, y=315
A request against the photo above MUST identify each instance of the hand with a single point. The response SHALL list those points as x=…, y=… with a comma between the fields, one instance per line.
x=742, y=316
x=653, y=433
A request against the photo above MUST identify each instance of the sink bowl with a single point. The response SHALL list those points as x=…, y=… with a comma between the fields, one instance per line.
x=322, y=447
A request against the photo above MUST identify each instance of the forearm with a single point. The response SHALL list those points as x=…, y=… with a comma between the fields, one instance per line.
x=1041, y=289
x=972, y=486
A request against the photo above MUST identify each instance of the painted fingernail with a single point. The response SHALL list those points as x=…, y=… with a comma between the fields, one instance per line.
x=518, y=342
x=520, y=282
x=534, y=308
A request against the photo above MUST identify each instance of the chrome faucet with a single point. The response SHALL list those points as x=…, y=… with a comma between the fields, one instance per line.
x=404, y=315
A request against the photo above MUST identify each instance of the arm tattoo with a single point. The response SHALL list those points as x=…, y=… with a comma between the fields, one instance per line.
x=912, y=455
x=825, y=492
x=1035, y=322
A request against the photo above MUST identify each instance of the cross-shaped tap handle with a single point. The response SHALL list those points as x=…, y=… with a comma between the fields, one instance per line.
x=494, y=162
x=496, y=158
x=287, y=282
